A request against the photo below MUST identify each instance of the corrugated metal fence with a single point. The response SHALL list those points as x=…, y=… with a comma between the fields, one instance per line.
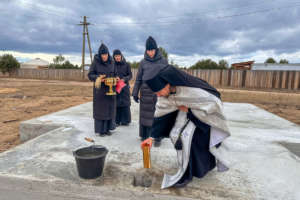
x=218, y=78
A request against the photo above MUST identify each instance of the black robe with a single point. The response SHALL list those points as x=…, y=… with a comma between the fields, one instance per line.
x=148, y=99
x=124, y=72
x=104, y=106
x=123, y=115
x=201, y=160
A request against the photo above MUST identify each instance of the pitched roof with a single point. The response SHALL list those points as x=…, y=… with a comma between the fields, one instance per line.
x=37, y=62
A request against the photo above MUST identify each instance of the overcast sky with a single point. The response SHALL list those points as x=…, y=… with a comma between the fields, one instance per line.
x=235, y=30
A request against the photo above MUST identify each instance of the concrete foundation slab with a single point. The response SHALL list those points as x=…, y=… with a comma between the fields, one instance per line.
x=263, y=149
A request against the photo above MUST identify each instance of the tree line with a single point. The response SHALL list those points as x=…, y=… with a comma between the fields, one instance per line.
x=201, y=64
x=206, y=63
x=273, y=61
x=60, y=62
x=8, y=63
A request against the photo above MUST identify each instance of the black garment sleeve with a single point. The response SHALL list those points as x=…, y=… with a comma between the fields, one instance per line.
x=163, y=125
x=138, y=81
x=92, y=75
x=128, y=76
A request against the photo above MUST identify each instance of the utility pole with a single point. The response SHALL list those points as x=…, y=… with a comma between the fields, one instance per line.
x=85, y=33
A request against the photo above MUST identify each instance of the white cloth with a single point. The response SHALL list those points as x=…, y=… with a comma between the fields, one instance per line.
x=207, y=108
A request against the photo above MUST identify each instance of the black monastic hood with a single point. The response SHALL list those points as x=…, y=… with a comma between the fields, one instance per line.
x=118, y=52
x=175, y=77
x=151, y=43
x=103, y=50
x=157, y=56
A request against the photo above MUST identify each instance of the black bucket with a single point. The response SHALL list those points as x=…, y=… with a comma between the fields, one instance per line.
x=90, y=161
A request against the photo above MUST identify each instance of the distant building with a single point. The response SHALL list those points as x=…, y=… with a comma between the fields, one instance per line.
x=243, y=65
x=35, y=64
x=276, y=66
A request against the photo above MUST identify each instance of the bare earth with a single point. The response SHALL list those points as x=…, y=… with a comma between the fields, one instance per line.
x=24, y=99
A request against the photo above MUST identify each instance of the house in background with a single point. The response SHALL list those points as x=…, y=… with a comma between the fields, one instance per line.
x=276, y=66
x=35, y=64
x=242, y=65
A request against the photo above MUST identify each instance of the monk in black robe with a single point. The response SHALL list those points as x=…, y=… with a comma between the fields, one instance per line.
x=123, y=116
x=141, y=93
x=167, y=84
x=104, y=106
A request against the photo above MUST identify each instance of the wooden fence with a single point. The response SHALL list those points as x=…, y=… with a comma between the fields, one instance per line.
x=51, y=74
x=3, y=75
x=250, y=79
x=219, y=78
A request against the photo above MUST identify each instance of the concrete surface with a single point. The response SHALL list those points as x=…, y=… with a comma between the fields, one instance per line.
x=263, y=150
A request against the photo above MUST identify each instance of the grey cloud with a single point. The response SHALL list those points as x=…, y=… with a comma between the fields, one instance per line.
x=182, y=27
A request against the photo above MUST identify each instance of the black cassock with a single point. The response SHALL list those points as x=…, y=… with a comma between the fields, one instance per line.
x=104, y=106
x=123, y=116
x=147, y=67
x=201, y=160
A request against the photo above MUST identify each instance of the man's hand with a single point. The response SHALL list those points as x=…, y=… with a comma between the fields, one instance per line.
x=147, y=142
x=136, y=99
x=183, y=108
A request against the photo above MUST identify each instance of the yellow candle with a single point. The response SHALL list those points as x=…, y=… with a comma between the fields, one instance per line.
x=146, y=157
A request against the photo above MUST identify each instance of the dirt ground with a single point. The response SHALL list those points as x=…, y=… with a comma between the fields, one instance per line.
x=24, y=99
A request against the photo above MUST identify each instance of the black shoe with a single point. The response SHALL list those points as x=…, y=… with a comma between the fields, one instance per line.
x=108, y=133
x=183, y=184
x=102, y=134
x=157, y=143
x=125, y=124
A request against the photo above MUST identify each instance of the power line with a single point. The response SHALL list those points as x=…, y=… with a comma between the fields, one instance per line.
x=191, y=20
x=49, y=12
x=195, y=22
x=213, y=11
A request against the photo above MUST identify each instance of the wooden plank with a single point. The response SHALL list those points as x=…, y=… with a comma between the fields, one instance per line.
x=236, y=80
x=233, y=78
x=229, y=77
x=297, y=81
x=287, y=80
x=270, y=79
x=198, y=73
x=274, y=79
x=248, y=83
x=291, y=80
x=282, y=81
x=262, y=79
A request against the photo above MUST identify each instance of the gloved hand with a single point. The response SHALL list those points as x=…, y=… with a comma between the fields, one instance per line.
x=147, y=142
x=136, y=99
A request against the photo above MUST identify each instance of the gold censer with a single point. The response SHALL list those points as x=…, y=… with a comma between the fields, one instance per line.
x=110, y=82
